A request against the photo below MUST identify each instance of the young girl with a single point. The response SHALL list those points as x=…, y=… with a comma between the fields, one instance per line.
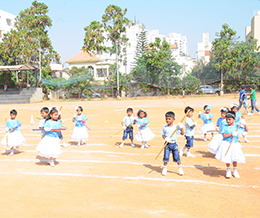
x=217, y=139
x=234, y=107
x=60, y=134
x=144, y=134
x=80, y=132
x=207, y=119
x=49, y=147
x=44, y=114
x=235, y=154
x=13, y=137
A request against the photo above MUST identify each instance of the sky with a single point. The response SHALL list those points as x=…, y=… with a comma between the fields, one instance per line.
x=191, y=18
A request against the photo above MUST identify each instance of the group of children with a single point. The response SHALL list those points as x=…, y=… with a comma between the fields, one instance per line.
x=50, y=126
x=225, y=145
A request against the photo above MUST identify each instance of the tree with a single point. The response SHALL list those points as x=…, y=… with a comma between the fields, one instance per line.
x=23, y=44
x=157, y=67
x=94, y=38
x=82, y=86
x=115, y=24
x=221, y=48
x=190, y=83
x=141, y=46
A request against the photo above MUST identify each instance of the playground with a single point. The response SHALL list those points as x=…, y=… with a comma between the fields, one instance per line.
x=99, y=179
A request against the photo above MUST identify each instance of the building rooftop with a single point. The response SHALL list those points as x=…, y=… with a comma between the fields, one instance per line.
x=83, y=57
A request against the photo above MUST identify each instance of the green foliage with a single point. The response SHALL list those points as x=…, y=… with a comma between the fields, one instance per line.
x=156, y=67
x=82, y=86
x=21, y=45
x=94, y=37
x=190, y=83
x=115, y=24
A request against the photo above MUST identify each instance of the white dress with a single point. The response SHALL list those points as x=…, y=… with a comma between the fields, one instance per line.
x=49, y=147
x=80, y=132
x=144, y=134
x=208, y=124
x=15, y=138
x=235, y=153
x=215, y=143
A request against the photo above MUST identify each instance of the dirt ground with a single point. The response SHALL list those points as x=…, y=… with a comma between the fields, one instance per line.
x=101, y=180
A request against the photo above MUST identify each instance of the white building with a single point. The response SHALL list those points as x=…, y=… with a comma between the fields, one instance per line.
x=254, y=29
x=204, y=48
x=178, y=46
x=7, y=21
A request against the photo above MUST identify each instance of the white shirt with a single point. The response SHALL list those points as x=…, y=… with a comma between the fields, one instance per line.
x=128, y=120
x=188, y=124
x=167, y=132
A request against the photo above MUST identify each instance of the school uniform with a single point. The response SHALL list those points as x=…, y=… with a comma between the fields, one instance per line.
x=129, y=127
x=217, y=139
x=15, y=138
x=208, y=124
x=189, y=132
x=49, y=146
x=144, y=133
x=41, y=125
x=172, y=146
x=80, y=132
x=235, y=153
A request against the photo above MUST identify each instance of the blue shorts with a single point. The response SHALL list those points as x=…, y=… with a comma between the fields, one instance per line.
x=189, y=143
x=129, y=130
x=175, y=153
x=60, y=135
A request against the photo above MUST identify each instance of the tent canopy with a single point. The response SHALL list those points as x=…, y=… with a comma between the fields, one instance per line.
x=18, y=68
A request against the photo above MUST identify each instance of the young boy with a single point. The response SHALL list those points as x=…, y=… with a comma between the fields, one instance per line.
x=44, y=114
x=127, y=124
x=172, y=145
x=189, y=132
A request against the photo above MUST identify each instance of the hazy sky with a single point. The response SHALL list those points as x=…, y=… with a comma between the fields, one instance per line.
x=189, y=17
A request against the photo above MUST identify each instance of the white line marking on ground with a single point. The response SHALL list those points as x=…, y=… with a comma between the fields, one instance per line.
x=131, y=178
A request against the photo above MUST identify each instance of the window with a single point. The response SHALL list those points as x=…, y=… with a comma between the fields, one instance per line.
x=9, y=22
x=101, y=72
x=91, y=70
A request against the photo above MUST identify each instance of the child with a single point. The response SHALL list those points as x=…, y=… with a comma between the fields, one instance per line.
x=44, y=115
x=59, y=133
x=207, y=118
x=234, y=107
x=127, y=124
x=13, y=137
x=189, y=132
x=172, y=145
x=235, y=154
x=49, y=147
x=144, y=134
x=217, y=139
x=80, y=132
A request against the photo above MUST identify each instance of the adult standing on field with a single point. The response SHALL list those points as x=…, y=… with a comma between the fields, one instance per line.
x=253, y=101
x=242, y=99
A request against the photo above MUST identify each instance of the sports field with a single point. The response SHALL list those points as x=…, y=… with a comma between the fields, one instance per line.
x=101, y=180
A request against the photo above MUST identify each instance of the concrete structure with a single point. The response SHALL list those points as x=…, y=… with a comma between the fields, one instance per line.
x=7, y=21
x=171, y=38
x=254, y=29
x=204, y=48
x=58, y=72
x=187, y=64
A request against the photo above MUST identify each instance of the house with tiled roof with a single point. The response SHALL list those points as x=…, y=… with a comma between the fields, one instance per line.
x=95, y=65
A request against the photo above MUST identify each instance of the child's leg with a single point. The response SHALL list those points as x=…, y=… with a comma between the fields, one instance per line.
x=131, y=136
x=166, y=156
x=145, y=145
x=176, y=157
x=235, y=173
x=228, y=174
x=52, y=162
x=12, y=151
x=124, y=138
x=189, y=145
x=205, y=138
x=142, y=147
